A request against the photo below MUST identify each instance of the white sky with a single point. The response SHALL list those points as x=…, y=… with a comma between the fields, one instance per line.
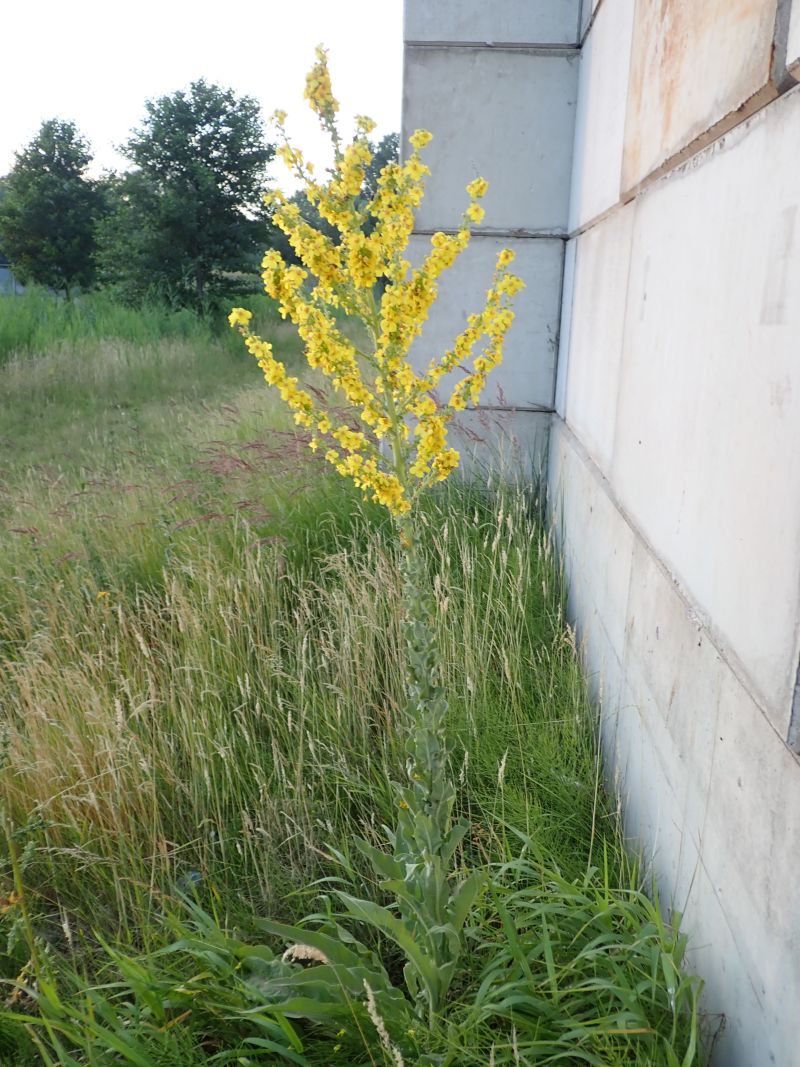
x=95, y=62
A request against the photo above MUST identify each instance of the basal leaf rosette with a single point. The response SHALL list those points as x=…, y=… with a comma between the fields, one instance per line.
x=396, y=443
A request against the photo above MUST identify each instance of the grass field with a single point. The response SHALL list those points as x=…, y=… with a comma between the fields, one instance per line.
x=200, y=666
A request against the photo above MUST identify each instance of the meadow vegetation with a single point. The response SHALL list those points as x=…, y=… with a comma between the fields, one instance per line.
x=201, y=669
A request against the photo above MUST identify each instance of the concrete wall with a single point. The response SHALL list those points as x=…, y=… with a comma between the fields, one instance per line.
x=497, y=85
x=675, y=461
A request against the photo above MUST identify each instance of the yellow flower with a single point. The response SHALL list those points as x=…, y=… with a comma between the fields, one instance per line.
x=478, y=188
x=420, y=138
x=240, y=317
x=475, y=213
x=416, y=170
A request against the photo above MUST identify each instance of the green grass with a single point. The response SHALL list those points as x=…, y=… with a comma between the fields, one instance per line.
x=38, y=322
x=200, y=675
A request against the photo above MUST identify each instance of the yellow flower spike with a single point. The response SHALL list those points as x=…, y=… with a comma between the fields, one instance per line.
x=392, y=403
x=318, y=90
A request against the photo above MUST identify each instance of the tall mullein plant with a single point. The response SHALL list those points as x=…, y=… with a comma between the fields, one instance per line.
x=394, y=448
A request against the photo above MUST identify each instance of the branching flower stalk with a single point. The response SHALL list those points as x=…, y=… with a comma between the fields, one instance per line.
x=394, y=447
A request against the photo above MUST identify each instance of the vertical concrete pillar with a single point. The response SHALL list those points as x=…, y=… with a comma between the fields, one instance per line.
x=496, y=84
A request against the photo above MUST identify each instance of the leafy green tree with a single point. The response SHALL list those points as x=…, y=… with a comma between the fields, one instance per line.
x=49, y=209
x=190, y=213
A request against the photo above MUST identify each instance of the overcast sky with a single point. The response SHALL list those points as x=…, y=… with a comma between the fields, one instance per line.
x=96, y=62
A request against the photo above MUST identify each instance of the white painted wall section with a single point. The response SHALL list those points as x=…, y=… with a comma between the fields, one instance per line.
x=707, y=440
x=599, y=301
x=602, y=104
x=708, y=788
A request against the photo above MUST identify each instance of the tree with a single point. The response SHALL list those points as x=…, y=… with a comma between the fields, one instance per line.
x=190, y=212
x=49, y=210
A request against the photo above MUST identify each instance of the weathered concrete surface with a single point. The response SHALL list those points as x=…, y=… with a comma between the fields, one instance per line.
x=502, y=22
x=707, y=440
x=505, y=115
x=708, y=788
x=595, y=341
x=793, y=42
x=695, y=66
x=526, y=376
x=600, y=119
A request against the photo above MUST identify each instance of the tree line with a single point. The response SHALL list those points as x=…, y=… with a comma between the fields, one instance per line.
x=186, y=224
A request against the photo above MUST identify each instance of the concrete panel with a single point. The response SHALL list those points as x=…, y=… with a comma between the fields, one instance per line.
x=505, y=115
x=512, y=444
x=694, y=65
x=673, y=672
x=751, y=844
x=708, y=788
x=793, y=43
x=600, y=118
x=565, y=328
x=502, y=22
x=595, y=344
x=597, y=549
x=527, y=375
x=707, y=443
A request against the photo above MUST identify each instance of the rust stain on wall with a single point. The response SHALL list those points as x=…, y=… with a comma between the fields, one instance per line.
x=693, y=65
